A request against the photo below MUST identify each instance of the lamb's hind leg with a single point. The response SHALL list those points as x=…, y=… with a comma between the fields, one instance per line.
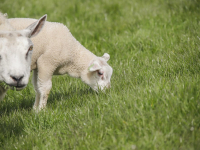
x=44, y=83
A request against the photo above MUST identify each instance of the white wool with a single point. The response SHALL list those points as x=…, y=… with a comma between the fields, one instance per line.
x=57, y=52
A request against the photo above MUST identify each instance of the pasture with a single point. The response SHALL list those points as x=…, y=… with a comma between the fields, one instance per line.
x=154, y=100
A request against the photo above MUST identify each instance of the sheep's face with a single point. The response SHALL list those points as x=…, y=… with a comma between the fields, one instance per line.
x=15, y=59
x=100, y=73
x=15, y=55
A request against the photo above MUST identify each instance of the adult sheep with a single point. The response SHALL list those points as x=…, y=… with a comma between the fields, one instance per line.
x=57, y=52
x=15, y=54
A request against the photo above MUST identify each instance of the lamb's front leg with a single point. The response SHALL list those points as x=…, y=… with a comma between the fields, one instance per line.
x=44, y=90
x=34, y=81
x=42, y=83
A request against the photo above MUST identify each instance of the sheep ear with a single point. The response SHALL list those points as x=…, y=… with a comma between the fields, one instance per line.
x=106, y=56
x=94, y=66
x=36, y=27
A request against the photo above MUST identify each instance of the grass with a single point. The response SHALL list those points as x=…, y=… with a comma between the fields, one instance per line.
x=154, y=102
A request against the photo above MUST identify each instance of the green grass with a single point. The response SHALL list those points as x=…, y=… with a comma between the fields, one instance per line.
x=154, y=102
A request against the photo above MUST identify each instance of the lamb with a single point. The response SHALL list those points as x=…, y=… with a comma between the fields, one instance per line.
x=15, y=54
x=57, y=52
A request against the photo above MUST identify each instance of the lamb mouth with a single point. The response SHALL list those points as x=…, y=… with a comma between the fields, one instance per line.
x=17, y=87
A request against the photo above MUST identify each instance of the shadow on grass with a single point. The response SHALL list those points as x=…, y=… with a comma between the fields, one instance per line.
x=10, y=107
x=27, y=103
x=74, y=95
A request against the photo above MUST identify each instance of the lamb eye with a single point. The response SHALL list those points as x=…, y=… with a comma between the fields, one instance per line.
x=100, y=73
x=30, y=48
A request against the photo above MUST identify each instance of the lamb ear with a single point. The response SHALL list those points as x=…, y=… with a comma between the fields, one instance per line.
x=36, y=27
x=106, y=56
x=94, y=66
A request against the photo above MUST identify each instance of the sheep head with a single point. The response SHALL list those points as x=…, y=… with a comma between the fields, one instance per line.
x=15, y=54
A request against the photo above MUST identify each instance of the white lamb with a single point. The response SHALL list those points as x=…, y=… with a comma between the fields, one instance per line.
x=15, y=54
x=57, y=52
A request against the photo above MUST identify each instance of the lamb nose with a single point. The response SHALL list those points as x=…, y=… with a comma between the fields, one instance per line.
x=17, y=78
